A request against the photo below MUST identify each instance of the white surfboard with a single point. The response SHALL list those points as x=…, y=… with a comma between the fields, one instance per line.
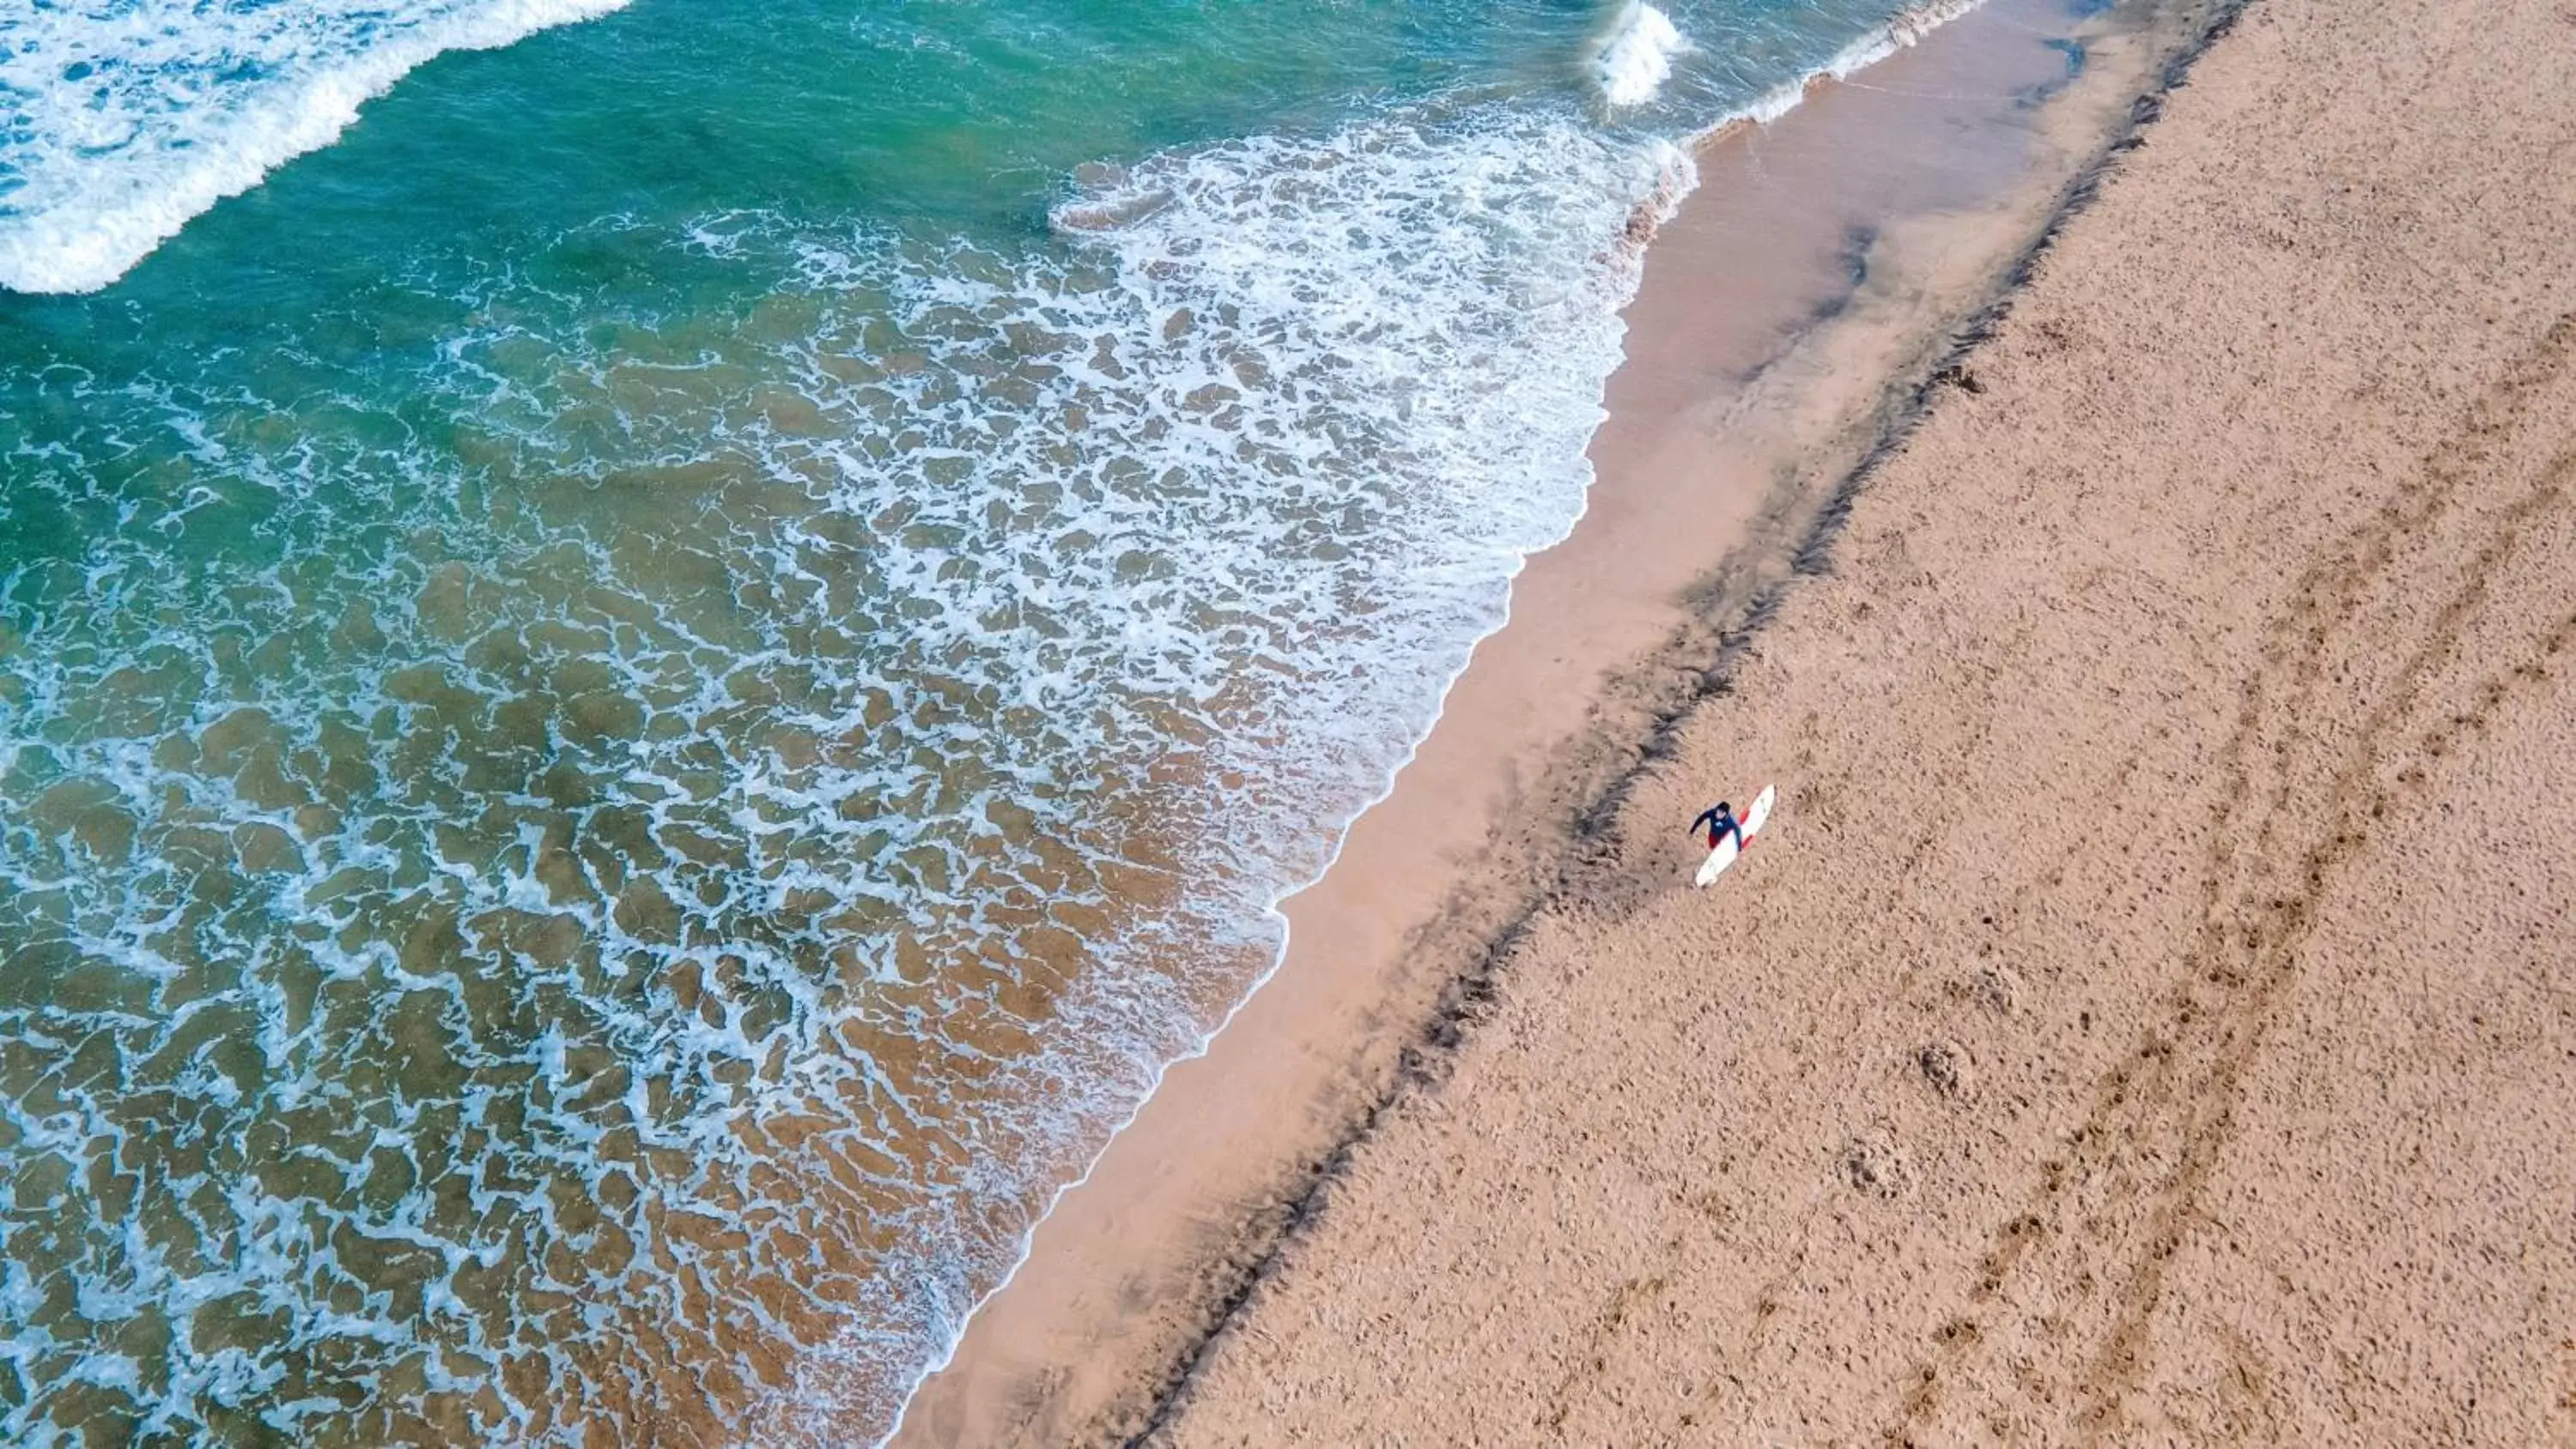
x=1726, y=852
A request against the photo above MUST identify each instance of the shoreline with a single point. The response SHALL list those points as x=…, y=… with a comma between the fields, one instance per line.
x=2152, y=1019
x=1147, y=1255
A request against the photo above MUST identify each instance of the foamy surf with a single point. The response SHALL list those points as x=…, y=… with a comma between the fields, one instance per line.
x=1637, y=57
x=1904, y=29
x=137, y=116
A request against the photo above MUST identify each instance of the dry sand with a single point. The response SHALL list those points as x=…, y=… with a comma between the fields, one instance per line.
x=1817, y=275
x=2151, y=1015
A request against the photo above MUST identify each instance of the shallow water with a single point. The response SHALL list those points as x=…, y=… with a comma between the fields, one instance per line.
x=639, y=698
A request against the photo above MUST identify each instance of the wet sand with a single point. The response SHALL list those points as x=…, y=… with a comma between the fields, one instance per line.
x=2151, y=1014
x=1818, y=275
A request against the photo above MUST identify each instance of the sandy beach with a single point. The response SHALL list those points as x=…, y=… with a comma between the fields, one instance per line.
x=2147, y=1019
x=1827, y=265
x=973, y=725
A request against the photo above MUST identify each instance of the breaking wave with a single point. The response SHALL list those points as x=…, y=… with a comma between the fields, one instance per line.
x=131, y=117
x=1637, y=58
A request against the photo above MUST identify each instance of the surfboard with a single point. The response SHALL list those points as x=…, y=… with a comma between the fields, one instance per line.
x=1726, y=852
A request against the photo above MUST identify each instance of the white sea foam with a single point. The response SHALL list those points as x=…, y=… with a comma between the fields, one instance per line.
x=135, y=116
x=1904, y=29
x=1907, y=27
x=1636, y=58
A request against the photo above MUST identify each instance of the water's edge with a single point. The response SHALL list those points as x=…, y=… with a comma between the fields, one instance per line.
x=1902, y=31
x=1914, y=390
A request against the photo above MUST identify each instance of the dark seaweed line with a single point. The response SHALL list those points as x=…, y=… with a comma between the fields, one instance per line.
x=1463, y=1002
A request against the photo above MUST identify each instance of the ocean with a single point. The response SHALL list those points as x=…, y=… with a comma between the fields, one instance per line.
x=654, y=657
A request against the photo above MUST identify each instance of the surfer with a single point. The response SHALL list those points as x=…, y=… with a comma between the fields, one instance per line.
x=1720, y=818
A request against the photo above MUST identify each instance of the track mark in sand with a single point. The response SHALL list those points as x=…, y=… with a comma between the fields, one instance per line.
x=2126, y=1193
x=2270, y=948
x=2273, y=968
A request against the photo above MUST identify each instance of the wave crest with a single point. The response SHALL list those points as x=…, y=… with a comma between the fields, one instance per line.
x=139, y=117
x=1637, y=58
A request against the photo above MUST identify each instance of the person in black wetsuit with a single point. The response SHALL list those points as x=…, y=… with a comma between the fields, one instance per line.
x=1720, y=819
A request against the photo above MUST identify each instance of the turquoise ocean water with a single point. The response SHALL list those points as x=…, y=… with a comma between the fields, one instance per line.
x=652, y=658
